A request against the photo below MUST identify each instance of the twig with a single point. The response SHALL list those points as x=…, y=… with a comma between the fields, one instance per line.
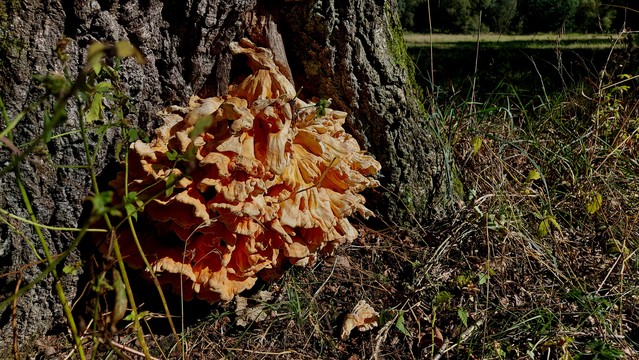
x=130, y=350
x=263, y=352
x=14, y=321
x=446, y=347
x=324, y=283
x=10, y=145
x=381, y=337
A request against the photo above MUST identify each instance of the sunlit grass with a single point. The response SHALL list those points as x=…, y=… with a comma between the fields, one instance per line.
x=492, y=40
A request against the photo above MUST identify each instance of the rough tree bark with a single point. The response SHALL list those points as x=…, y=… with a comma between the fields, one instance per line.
x=349, y=51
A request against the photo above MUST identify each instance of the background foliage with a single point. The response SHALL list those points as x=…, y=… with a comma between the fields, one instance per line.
x=522, y=17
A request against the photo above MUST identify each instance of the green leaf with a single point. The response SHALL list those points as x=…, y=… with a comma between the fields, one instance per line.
x=126, y=49
x=546, y=225
x=321, y=106
x=202, y=123
x=131, y=211
x=48, y=131
x=103, y=87
x=170, y=184
x=131, y=316
x=100, y=202
x=483, y=278
x=463, y=316
x=544, y=228
x=97, y=67
x=554, y=222
x=72, y=268
x=118, y=149
x=400, y=324
x=54, y=83
x=121, y=300
x=96, y=109
x=171, y=155
x=130, y=202
x=95, y=53
x=593, y=203
x=616, y=247
x=190, y=153
x=442, y=298
x=476, y=142
x=532, y=176
x=115, y=212
x=133, y=135
x=462, y=280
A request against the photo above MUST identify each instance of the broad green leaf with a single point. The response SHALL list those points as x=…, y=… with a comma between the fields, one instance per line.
x=95, y=53
x=132, y=204
x=95, y=49
x=48, y=131
x=476, y=142
x=546, y=224
x=593, y=204
x=103, y=87
x=96, y=66
x=126, y=49
x=544, y=228
x=121, y=301
x=532, y=176
x=115, y=212
x=202, y=123
x=463, y=316
x=131, y=211
x=95, y=111
x=54, y=83
x=171, y=155
x=483, y=278
x=400, y=324
x=133, y=135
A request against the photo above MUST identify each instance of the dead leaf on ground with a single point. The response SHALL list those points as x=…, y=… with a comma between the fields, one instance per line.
x=255, y=312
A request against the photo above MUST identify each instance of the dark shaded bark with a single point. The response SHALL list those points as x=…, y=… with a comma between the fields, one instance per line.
x=336, y=49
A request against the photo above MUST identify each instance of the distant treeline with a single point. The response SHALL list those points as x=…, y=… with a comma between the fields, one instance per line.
x=520, y=17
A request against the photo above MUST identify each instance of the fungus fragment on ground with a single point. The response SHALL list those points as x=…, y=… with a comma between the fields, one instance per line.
x=235, y=189
x=363, y=318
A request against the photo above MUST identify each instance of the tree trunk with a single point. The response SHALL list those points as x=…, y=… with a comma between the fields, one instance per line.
x=349, y=51
x=353, y=52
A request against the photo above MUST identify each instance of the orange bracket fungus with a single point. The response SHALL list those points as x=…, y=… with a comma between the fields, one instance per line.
x=239, y=185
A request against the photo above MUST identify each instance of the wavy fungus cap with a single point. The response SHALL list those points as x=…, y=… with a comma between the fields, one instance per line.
x=236, y=189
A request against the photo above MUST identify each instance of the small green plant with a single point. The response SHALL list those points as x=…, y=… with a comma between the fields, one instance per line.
x=95, y=89
x=601, y=350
